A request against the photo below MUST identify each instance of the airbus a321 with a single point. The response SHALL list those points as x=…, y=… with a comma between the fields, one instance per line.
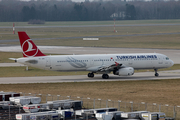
x=119, y=64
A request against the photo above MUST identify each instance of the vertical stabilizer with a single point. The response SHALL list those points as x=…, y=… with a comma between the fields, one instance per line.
x=28, y=46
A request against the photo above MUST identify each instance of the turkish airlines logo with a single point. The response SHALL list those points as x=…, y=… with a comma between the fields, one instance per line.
x=29, y=49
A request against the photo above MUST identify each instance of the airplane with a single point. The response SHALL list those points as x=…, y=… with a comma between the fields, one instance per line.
x=119, y=64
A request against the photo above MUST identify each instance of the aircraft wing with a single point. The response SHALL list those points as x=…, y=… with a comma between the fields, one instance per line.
x=109, y=67
x=105, y=68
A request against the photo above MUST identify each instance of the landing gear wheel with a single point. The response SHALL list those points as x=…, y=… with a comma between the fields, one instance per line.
x=105, y=76
x=91, y=75
x=156, y=74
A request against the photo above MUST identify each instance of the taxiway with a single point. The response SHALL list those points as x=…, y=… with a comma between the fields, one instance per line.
x=174, y=74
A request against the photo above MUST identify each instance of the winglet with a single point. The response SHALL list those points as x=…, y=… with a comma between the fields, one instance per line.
x=28, y=46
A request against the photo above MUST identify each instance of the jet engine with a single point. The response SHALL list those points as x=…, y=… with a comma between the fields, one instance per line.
x=126, y=71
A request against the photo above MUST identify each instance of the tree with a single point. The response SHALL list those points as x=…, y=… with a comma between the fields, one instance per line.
x=78, y=8
x=130, y=12
x=26, y=13
x=32, y=13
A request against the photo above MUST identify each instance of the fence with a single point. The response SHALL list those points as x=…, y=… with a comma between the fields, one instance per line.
x=92, y=103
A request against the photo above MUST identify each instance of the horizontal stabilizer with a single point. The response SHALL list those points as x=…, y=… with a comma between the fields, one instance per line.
x=13, y=59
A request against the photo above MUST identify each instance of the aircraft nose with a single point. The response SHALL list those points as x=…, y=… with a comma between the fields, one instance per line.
x=171, y=63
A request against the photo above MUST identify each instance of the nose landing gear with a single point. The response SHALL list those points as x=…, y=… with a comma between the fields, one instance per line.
x=156, y=74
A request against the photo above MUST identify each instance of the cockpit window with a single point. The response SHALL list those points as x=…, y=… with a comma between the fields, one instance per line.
x=167, y=58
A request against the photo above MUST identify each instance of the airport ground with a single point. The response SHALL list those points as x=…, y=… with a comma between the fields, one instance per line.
x=149, y=91
x=162, y=34
x=159, y=35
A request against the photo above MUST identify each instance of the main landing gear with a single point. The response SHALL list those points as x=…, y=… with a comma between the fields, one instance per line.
x=105, y=76
x=91, y=75
x=156, y=74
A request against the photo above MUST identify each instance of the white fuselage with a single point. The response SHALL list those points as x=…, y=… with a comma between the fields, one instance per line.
x=93, y=62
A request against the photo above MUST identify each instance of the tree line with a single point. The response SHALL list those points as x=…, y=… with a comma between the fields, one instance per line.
x=12, y=10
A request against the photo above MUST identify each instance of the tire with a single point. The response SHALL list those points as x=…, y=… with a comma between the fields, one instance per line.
x=91, y=75
x=156, y=74
x=105, y=76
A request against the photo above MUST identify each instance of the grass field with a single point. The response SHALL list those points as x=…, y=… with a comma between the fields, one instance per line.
x=113, y=40
x=21, y=72
x=153, y=91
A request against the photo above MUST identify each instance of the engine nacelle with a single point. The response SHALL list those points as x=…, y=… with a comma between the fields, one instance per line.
x=127, y=71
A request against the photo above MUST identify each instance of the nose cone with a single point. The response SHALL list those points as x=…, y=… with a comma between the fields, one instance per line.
x=171, y=63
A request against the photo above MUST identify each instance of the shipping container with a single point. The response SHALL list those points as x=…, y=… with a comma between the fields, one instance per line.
x=149, y=116
x=66, y=113
x=4, y=96
x=35, y=100
x=161, y=115
x=22, y=101
x=56, y=105
x=67, y=104
x=61, y=104
x=37, y=116
x=13, y=94
x=101, y=110
x=31, y=108
x=26, y=116
x=94, y=111
x=59, y=101
x=55, y=116
x=16, y=95
x=12, y=99
x=1, y=97
x=77, y=105
x=104, y=116
x=153, y=116
x=79, y=112
x=116, y=115
x=46, y=106
x=6, y=104
x=133, y=115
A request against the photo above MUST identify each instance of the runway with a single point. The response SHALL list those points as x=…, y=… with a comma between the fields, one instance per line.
x=174, y=74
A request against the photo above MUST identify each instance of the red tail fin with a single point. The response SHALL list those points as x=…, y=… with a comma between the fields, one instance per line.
x=28, y=46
